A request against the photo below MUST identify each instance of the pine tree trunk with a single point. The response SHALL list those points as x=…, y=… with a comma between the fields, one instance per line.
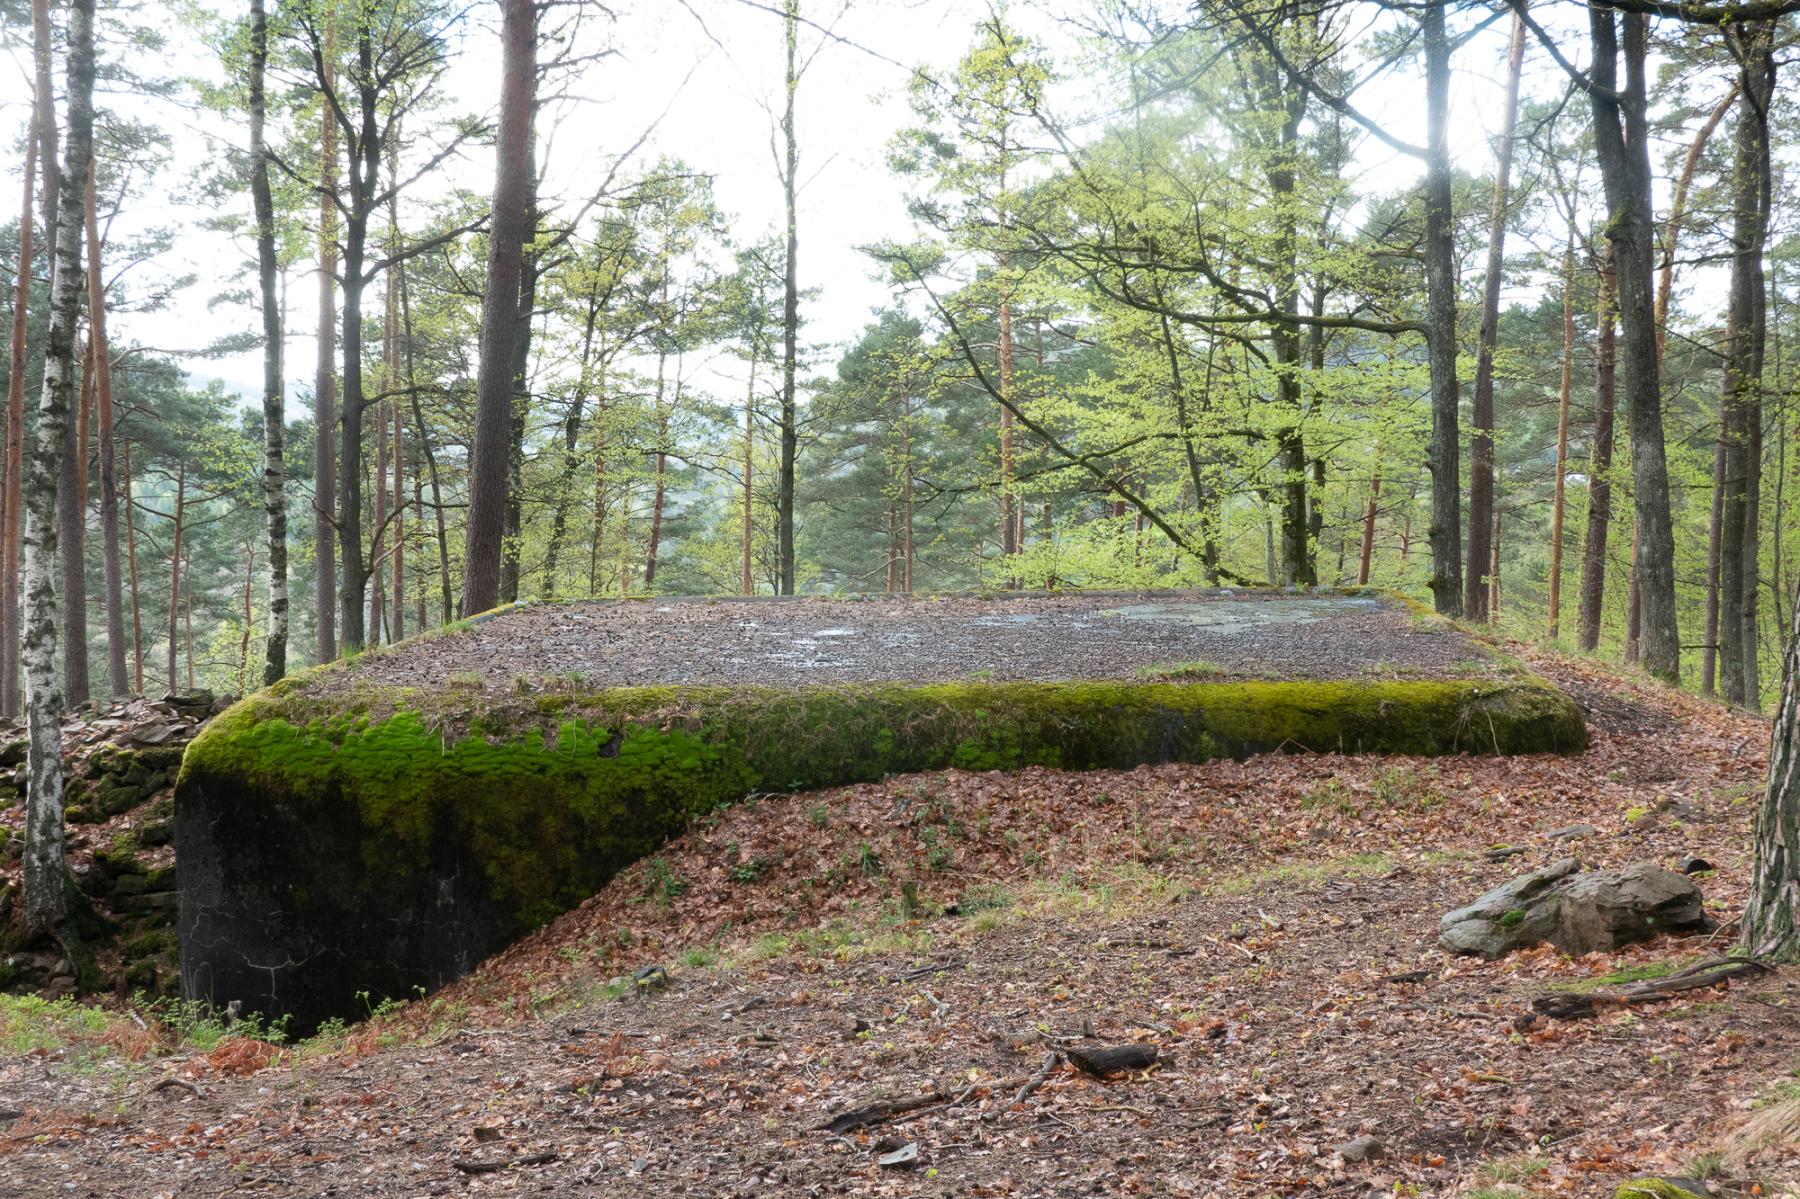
x=1367, y=555
x=274, y=474
x=1445, y=532
x=137, y=626
x=446, y=596
x=1599, y=512
x=47, y=885
x=1621, y=139
x=71, y=515
x=325, y=392
x=398, y=624
x=117, y=678
x=512, y=544
x=1634, y=606
x=1741, y=399
x=364, y=174
x=11, y=509
x=175, y=579
x=748, y=583
x=1770, y=928
x=790, y=313
x=1665, y=284
x=1562, y=438
x=1481, y=446
x=500, y=313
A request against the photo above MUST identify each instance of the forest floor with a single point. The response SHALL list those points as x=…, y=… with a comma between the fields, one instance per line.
x=1268, y=927
x=1099, y=635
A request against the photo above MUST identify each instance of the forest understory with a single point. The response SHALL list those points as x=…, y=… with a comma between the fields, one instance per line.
x=929, y=942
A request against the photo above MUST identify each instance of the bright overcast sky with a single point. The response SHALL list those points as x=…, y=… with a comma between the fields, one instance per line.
x=712, y=72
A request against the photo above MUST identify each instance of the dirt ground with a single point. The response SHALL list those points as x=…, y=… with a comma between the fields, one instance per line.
x=1267, y=927
x=1075, y=636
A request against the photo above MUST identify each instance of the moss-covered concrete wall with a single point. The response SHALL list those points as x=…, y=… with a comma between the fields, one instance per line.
x=357, y=839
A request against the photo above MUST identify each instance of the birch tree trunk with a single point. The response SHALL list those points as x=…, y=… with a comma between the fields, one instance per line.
x=119, y=681
x=274, y=474
x=500, y=313
x=47, y=886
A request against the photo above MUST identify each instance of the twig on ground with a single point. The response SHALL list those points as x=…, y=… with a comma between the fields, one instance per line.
x=163, y=1084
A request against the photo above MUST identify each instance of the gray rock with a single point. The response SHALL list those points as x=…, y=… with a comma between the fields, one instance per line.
x=1361, y=1149
x=1573, y=832
x=1576, y=912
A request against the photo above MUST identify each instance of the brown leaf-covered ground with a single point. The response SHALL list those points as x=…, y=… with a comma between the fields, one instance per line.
x=1268, y=926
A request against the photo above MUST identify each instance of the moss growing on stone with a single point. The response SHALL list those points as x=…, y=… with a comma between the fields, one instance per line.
x=545, y=788
x=371, y=800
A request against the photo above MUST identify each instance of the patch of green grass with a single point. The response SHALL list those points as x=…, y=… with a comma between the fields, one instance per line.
x=1360, y=865
x=1405, y=787
x=1331, y=794
x=29, y=1024
x=699, y=957
x=1515, y=1169
x=1618, y=978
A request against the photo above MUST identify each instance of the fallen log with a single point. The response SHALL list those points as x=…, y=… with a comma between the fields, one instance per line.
x=1700, y=975
x=1106, y=1061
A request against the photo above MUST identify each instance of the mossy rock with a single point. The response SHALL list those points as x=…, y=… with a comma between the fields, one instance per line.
x=1661, y=1188
x=388, y=840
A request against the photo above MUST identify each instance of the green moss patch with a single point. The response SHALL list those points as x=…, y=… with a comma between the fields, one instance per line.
x=547, y=795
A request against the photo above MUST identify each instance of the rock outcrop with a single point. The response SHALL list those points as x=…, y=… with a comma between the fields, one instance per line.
x=1577, y=911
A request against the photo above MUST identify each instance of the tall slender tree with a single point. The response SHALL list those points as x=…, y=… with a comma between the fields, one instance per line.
x=10, y=509
x=325, y=368
x=500, y=330
x=47, y=885
x=788, y=422
x=274, y=474
x=100, y=350
x=1481, y=445
x=1746, y=325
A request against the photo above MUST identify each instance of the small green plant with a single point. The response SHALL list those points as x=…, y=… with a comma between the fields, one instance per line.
x=820, y=816
x=869, y=861
x=1333, y=794
x=665, y=886
x=1512, y=919
x=466, y=680
x=749, y=872
x=700, y=957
